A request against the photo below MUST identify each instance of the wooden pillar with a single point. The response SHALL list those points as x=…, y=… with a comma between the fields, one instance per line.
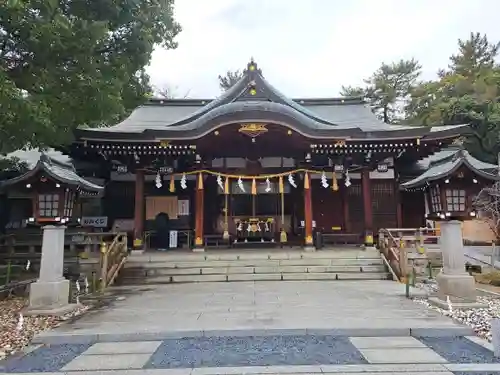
x=308, y=214
x=399, y=208
x=367, y=205
x=199, y=212
x=139, y=209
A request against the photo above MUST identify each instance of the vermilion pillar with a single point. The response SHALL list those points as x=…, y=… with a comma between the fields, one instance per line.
x=139, y=208
x=367, y=205
x=198, y=225
x=308, y=214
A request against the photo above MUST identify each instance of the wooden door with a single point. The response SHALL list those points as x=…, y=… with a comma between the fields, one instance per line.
x=327, y=208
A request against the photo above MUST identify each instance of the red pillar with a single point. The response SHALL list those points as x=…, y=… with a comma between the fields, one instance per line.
x=139, y=208
x=198, y=225
x=308, y=214
x=367, y=205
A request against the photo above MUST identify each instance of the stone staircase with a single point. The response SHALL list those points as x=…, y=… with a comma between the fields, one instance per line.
x=252, y=265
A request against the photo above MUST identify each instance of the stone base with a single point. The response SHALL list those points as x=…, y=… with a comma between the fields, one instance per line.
x=49, y=295
x=198, y=249
x=53, y=311
x=371, y=247
x=137, y=252
x=309, y=248
x=460, y=288
x=458, y=305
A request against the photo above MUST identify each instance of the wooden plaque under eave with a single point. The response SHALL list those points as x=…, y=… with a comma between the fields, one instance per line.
x=155, y=205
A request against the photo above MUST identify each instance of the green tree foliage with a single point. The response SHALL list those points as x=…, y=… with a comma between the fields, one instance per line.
x=388, y=88
x=467, y=93
x=229, y=79
x=66, y=63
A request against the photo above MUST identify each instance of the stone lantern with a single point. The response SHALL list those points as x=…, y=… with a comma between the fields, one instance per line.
x=450, y=183
x=54, y=187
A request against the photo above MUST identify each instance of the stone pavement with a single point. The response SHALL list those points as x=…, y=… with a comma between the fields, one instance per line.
x=349, y=307
x=260, y=328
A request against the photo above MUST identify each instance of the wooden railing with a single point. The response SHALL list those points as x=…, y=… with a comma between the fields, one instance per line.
x=113, y=257
x=403, y=248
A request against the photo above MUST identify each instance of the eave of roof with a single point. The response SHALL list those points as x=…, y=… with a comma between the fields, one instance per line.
x=448, y=163
x=59, y=171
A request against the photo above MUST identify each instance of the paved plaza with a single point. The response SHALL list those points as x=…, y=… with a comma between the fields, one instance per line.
x=260, y=328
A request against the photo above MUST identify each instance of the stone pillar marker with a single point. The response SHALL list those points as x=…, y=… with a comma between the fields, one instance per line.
x=453, y=281
x=49, y=295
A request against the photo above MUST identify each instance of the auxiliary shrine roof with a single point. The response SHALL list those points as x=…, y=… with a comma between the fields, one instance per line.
x=62, y=172
x=446, y=162
x=254, y=99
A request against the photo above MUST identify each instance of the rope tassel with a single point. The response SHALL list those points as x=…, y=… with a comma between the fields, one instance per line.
x=335, y=185
x=254, y=187
x=172, y=184
x=200, y=181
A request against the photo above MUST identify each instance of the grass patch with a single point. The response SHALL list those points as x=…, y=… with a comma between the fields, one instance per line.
x=489, y=278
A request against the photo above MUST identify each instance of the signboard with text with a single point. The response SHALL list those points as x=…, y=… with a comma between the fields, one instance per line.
x=94, y=221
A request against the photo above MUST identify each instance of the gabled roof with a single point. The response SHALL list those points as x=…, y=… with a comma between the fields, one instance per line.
x=60, y=171
x=32, y=156
x=254, y=99
x=447, y=162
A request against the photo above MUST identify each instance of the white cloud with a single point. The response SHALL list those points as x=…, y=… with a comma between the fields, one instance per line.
x=311, y=48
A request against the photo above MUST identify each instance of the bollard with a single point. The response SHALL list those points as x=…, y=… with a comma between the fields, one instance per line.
x=429, y=266
x=495, y=336
x=7, y=276
x=407, y=286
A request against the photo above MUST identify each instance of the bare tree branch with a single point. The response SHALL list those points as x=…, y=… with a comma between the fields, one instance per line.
x=487, y=203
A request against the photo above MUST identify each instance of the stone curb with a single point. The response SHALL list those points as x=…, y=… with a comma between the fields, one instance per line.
x=72, y=338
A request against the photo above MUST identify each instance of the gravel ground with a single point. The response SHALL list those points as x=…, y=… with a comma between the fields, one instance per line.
x=254, y=351
x=477, y=319
x=16, y=333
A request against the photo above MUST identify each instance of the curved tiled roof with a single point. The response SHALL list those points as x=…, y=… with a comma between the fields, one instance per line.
x=190, y=118
x=446, y=162
x=59, y=171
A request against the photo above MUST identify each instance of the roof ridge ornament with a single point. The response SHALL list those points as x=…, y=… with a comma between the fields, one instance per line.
x=252, y=68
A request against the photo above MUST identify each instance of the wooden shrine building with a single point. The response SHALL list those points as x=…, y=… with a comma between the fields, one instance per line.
x=255, y=167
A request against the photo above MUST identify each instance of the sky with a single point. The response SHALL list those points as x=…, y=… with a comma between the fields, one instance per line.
x=310, y=48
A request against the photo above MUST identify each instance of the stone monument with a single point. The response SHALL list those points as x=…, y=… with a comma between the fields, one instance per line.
x=454, y=283
x=49, y=295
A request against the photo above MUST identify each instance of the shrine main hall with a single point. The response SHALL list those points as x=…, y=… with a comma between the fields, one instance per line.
x=254, y=167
